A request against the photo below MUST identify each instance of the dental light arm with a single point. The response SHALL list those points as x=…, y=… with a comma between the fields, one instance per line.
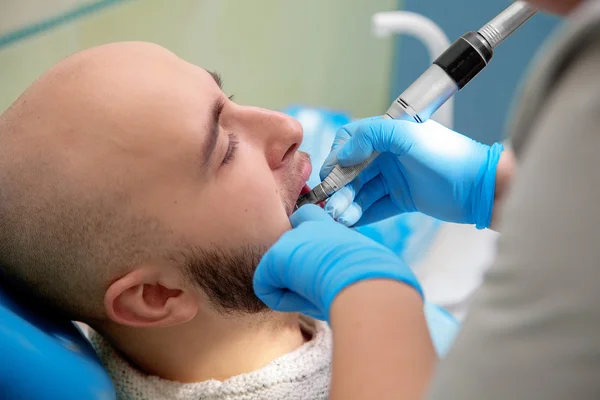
x=450, y=72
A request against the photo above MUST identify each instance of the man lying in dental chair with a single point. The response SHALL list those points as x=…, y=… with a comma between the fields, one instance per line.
x=138, y=198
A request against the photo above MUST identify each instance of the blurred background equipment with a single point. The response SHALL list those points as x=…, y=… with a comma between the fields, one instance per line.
x=270, y=53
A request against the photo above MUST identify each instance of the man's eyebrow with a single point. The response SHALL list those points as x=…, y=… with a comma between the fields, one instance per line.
x=213, y=131
x=217, y=77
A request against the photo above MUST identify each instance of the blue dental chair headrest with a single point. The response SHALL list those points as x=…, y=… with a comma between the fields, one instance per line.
x=45, y=358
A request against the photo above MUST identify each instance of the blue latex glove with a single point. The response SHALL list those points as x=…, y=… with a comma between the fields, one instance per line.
x=308, y=266
x=423, y=167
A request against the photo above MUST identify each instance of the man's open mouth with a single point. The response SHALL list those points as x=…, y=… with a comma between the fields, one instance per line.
x=305, y=189
x=306, y=170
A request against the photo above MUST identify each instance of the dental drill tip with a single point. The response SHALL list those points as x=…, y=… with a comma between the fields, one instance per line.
x=319, y=194
x=306, y=198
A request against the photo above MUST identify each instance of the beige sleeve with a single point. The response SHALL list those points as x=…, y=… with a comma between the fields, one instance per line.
x=534, y=329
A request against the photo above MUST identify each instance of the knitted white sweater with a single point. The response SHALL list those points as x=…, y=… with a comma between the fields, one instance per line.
x=303, y=374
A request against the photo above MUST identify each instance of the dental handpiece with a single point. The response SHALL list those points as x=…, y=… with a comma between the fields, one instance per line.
x=450, y=72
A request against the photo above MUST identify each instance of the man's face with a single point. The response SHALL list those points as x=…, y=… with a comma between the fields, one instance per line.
x=222, y=177
x=252, y=175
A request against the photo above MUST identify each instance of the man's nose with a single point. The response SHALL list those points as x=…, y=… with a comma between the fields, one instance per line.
x=278, y=134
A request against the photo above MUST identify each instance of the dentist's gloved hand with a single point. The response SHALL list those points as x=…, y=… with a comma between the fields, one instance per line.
x=423, y=167
x=311, y=264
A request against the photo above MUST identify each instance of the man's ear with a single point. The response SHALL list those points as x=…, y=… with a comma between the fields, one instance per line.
x=147, y=297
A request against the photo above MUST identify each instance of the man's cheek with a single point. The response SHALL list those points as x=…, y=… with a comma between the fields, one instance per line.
x=257, y=221
x=255, y=204
x=262, y=197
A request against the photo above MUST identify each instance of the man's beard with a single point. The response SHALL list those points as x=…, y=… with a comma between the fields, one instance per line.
x=226, y=277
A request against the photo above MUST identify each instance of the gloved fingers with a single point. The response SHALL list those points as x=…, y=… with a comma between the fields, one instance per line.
x=340, y=201
x=348, y=207
x=371, y=192
x=341, y=137
x=381, y=135
x=356, y=150
x=373, y=232
x=270, y=285
x=382, y=209
x=272, y=273
x=268, y=278
x=293, y=302
x=351, y=215
x=367, y=174
x=285, y=300
x=309, y=212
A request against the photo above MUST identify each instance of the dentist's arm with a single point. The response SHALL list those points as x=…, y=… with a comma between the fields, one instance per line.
x=423, y=167
x=533, y=329
x=504, y=174
x=381, y=344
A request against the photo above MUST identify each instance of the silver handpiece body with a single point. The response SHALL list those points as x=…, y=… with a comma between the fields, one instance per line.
x=460, y=63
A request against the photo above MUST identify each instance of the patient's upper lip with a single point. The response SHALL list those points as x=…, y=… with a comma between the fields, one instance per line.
x=306, y=169
x=305, y=175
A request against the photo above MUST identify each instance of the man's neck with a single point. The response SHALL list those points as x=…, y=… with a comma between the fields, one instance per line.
x=209, y=346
